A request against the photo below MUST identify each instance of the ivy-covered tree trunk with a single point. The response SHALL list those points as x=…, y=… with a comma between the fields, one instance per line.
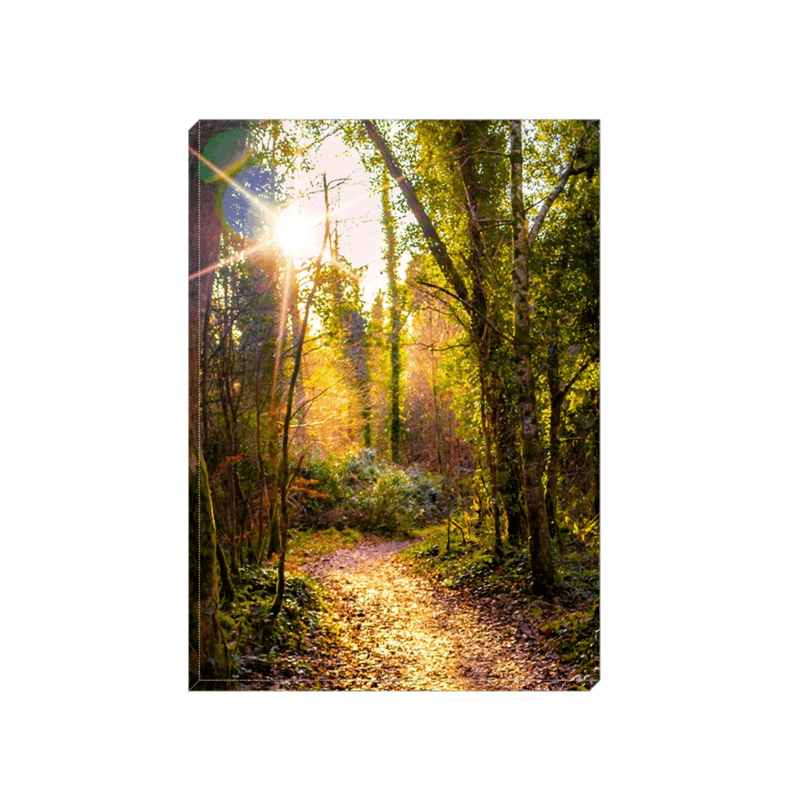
x=595, y=450
x=209, y=662
x=558, y=395
x=542, y=571
x=510, y=481
x=533, y=456
x=394, y=324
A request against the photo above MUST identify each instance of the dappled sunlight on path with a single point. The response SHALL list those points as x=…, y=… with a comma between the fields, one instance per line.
x=399, y=631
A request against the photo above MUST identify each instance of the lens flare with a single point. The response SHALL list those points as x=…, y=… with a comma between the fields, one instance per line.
x=226, y=152
x=248, y=204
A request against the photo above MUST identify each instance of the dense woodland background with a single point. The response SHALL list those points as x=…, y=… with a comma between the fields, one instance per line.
x=465, y=393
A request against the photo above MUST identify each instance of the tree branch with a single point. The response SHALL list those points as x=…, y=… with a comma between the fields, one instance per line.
x=467, y=305
x=435, y=244
x=559, y=398
x=569, y=170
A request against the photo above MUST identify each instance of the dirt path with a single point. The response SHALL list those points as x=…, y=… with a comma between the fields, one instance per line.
x=399, y=631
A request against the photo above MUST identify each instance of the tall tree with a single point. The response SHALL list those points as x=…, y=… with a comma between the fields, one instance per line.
x=395, y=323
x=285, y=478
x=215, y=149
x=526, y=264
x=463, y=184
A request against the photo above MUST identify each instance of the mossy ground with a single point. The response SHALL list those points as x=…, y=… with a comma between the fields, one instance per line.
x=263, y=650
x=296, y=644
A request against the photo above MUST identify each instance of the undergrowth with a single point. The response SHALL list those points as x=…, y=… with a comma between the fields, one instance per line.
x=264, y=649
x=576, y=638
x=309, y=542
x=571, y=621
x=467, y=562
x=258, y=644
x=360, y=492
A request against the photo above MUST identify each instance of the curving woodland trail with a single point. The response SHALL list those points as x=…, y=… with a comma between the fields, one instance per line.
x=398, y=631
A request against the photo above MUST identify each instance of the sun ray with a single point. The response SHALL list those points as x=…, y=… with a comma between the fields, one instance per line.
x=251, y=198
x=263, y=208
x=226, y=262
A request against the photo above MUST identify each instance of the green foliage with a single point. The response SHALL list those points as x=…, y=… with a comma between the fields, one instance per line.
x=576, y=638
x=253, y=640
x=309, y=543
x=464, y=389
x=392, y=503
x=358, y=491
x=470, y=565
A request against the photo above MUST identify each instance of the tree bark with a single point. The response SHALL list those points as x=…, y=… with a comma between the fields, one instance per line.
x=542, y=570
x=558, y=394
x=553, y=466
x=300, y=392
x=209, y=662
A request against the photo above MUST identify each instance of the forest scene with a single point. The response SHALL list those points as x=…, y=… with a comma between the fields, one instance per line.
x=394, y=405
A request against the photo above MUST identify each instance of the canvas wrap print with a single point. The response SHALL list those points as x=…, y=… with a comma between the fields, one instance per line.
x=394, y=397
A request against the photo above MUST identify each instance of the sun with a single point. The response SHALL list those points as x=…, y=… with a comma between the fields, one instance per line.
x=293, y=231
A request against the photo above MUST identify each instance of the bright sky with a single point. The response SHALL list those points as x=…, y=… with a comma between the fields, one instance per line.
x=353, y=205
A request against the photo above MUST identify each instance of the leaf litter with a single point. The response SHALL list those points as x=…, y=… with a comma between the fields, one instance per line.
x=395, y=629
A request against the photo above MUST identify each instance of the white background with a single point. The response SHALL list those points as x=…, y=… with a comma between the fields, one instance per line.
x=699, y=502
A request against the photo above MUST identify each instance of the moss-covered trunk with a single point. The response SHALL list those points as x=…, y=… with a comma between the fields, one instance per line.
x=209, y=664
x=557, y=395
x=209, y=661
x=390, y=255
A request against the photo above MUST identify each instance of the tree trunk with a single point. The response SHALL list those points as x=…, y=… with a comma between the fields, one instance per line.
x=209, y=662
x=284, y=472
x=558, y=394
x=595, y=395
x=394, y=326
x=557, y=397
x=542, y=571
x=510, y=477
x=300, y=392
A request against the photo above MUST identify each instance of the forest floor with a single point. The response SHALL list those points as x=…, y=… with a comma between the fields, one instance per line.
x=393, y=628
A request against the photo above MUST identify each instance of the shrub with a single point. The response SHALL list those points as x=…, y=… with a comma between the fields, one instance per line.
x=358, y=491
x=393, y=503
